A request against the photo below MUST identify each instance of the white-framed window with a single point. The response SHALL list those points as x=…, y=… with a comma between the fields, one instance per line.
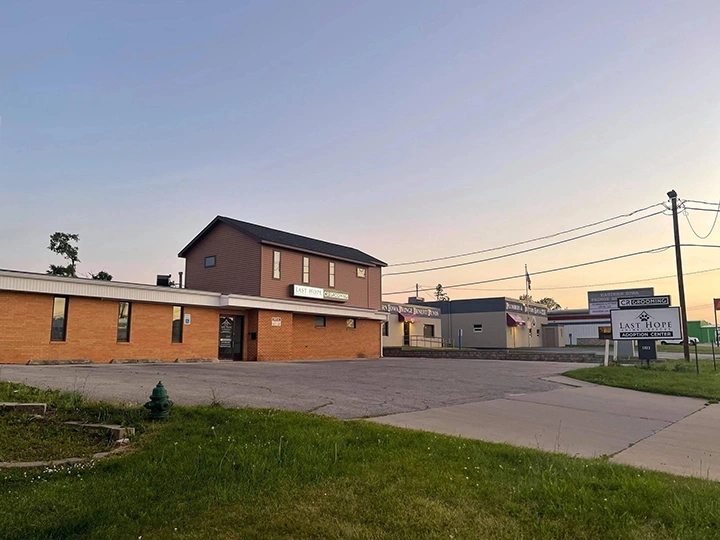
x=331, y=275
x=276, y=264
x=360, y=272
x=306, y=270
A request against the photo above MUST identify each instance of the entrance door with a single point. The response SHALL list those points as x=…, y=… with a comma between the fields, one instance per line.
x=230, y=344
x=406, y=333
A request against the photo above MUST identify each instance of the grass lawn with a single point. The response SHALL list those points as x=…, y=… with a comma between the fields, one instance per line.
x=27, y=438
x=702, y=348
x=211, y=472
x=677, y=378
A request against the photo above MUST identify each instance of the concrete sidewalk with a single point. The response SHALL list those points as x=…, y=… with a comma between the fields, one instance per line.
x=665, y=433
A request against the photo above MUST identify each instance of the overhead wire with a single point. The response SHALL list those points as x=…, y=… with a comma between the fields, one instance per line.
x=712, y=227
x=563, y=268
x=522, y=251
x=546, y=237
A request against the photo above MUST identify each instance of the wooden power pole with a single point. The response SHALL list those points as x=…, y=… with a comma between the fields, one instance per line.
x=681, y=282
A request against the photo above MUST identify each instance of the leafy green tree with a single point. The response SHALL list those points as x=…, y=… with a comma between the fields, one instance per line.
x=440, y=293
x=548, y=302
x=102, y=275
x=62, y=244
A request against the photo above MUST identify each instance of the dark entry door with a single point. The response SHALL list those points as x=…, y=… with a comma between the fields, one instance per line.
x=406, y=333
x=230, y=344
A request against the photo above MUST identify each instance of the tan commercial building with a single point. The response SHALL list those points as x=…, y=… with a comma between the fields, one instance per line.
x=411, y=326
x=495, y=323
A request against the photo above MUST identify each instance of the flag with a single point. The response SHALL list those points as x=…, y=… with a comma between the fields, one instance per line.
x=527, y=279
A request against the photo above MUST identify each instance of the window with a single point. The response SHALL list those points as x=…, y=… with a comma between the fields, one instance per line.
x=360, y=272
x=58, y=329
x=331, y=275
x=351, y=323
x=428, y=330
x=177, y=324
x=319, y=321
x=538, y=332
x=276, y=265
x=210, y=261
x=477, y=328
x=306, y=269
x=385, y=329
x=604, y=332
x=123, y=326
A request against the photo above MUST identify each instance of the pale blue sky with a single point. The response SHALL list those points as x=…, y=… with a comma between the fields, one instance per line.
x=407, y=129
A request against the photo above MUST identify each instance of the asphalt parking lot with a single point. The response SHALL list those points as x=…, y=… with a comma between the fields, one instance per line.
x=340, y=388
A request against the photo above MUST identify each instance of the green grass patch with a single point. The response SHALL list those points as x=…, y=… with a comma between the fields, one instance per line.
x=24, y=437
x=211, y=472
x=675, y=378
x=702, y=348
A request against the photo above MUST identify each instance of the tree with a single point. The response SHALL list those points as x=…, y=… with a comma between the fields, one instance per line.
x=548, y=302
x=102, y=275
x=62, y=244
x=440, y=294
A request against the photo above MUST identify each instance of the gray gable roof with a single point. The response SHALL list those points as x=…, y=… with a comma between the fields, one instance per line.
x=282, y=238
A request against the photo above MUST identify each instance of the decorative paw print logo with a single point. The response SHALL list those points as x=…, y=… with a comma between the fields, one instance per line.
x=644, y=316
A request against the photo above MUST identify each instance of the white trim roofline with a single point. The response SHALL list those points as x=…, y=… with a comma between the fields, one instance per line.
x=26, y=282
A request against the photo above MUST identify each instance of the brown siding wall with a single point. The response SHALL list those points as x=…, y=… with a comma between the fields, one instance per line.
x=346, y=279
x=25, y=320
x=237, y=267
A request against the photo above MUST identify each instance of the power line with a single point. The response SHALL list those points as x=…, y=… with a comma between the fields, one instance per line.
x=495, y=280
x=569, y=267
x=565, y=287
x=712, y=228
x=547, y=237
x=520, y=252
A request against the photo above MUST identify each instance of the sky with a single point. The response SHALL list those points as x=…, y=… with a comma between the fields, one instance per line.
x=407, y=129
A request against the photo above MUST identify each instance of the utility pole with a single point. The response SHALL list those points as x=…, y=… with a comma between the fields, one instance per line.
x=681, y=282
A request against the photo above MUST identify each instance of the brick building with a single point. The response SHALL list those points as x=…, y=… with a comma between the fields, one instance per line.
x=253, y=293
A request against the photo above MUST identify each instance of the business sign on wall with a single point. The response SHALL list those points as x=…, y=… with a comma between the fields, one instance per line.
x=658, y=323
x=411, y=310
x=518, y=307
x=647, y=302
x=318, y=293
x=603, y=302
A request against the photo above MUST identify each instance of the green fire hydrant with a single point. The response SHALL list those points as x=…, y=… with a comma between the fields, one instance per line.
x=159, y=404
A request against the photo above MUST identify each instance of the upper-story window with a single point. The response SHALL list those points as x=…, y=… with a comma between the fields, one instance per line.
x=210, y=261
x=306, y=270
x=276, y=264
x=331, y=275
x=360, y=272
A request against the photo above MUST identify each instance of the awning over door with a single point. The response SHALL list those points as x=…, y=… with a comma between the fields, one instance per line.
x=408, y=317
x=514, y=320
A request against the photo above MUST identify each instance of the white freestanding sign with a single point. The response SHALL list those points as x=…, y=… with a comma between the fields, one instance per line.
x=658, y=323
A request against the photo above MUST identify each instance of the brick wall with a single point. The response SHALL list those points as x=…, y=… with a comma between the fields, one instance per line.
x=275, y=342
x=25, y=320
x=335, y=340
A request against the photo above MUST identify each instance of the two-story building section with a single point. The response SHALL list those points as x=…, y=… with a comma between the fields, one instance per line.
x=332, y=292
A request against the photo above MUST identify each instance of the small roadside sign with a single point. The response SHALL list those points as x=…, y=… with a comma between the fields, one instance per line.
x=646, y=302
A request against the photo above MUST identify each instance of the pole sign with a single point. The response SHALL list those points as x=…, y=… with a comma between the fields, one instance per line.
x=603, y=302
x=646, y=302
x=716, y=301
x=657, y=323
